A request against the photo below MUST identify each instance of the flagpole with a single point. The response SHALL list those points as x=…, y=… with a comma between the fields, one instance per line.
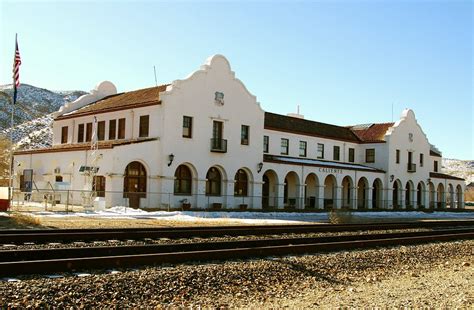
x=10, y=178
x=16, y=83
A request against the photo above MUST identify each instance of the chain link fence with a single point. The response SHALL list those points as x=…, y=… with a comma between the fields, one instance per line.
x=82, y=200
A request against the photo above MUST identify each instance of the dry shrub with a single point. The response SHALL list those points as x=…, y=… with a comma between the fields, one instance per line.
x=469, y=195
x=340, y=216
x=25, y=219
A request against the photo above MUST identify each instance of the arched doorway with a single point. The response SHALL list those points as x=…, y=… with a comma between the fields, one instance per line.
x=311, y=191
x=420, y=195
x=396, y=194
x=134, y=184
x=330, y=192
x=213, y=182
x=362, y=193
x=409, y=195
x=269, y=190
x=347, y=192
x=377, y=194
x=183, y=180
x=241, y=183
x=441, y=196
x=291, y=191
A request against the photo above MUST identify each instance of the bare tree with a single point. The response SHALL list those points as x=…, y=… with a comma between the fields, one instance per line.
x=4, y=160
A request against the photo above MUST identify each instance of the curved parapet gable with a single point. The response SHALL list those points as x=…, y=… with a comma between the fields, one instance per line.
x=407, y=115
x=101, y=90
x=215, y=62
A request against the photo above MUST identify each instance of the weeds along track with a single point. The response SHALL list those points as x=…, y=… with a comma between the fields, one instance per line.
x=86, y=235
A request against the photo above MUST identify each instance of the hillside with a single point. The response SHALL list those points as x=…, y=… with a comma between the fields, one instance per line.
x=459, y=168
x=32, y=116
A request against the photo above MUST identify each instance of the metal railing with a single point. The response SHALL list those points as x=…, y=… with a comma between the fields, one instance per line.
x=218, y=145
x=78, y=200
x=411, y=167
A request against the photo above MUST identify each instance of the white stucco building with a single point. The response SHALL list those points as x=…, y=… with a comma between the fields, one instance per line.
x=206, y=140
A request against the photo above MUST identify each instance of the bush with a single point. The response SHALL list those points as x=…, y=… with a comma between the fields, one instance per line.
x=25, y=219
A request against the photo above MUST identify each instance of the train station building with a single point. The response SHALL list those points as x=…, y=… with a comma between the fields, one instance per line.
x=205, y=142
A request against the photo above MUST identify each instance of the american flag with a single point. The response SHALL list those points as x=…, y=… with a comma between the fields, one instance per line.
x=16, y=70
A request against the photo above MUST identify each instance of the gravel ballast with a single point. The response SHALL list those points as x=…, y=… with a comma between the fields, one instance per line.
x=437, y=275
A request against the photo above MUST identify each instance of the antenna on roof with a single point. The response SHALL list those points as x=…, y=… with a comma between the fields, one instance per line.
x=392, y=112
x=298, y=109
x=154, y=71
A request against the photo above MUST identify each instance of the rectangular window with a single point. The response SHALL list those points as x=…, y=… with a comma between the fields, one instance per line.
x=144, y=126
x=284, y=146
x=397, y=156
x=217, y=130
x=244, y=135
x=410, y=158
x=80, y=133
x=187, y=127
x=101, y=130
x=320, y=151
x=112, y=129
x=266, y=144
x=64, y=131
x=88, y=132
x=121, y=129
x=421, y=160
x=435, y=166
x=370, y=155
x=351, y=155
x=99, y=185
x=303, y=146
x=336, y=152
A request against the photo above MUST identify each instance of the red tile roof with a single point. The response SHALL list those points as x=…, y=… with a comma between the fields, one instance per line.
x=122, y=101
x=371, y=132
x=110, y=144
x=306, y=127
x=434, y=153
x=444, y=176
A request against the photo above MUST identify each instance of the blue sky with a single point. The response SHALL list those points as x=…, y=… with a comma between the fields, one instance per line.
x=343, y=62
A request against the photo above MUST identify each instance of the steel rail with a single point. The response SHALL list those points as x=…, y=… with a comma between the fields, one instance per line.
x=44, y=236
x=78, y=252
x=254, y=249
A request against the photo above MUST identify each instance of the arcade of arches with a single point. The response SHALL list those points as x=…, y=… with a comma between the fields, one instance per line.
x=289, y=190
x=336, y=192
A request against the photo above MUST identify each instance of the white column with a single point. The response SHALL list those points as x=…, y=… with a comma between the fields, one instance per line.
x=426, y=196
x=369, y=197
x=201, y=198
x=255, y=202
x=320, y=202
x=403, y=198
x=301, y=203
x=338, y=198
x=229, y=201
x=281, y=194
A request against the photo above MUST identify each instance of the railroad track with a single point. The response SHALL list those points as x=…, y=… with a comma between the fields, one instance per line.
x=74, y=259
x=72, y=235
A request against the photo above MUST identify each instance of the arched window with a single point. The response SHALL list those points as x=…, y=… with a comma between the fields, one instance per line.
x=183, y=180
x=241, y=183
x=135, y=179
x=213, y=184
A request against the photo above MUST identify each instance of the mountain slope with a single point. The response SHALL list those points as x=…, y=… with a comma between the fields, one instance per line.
x=32, y=116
